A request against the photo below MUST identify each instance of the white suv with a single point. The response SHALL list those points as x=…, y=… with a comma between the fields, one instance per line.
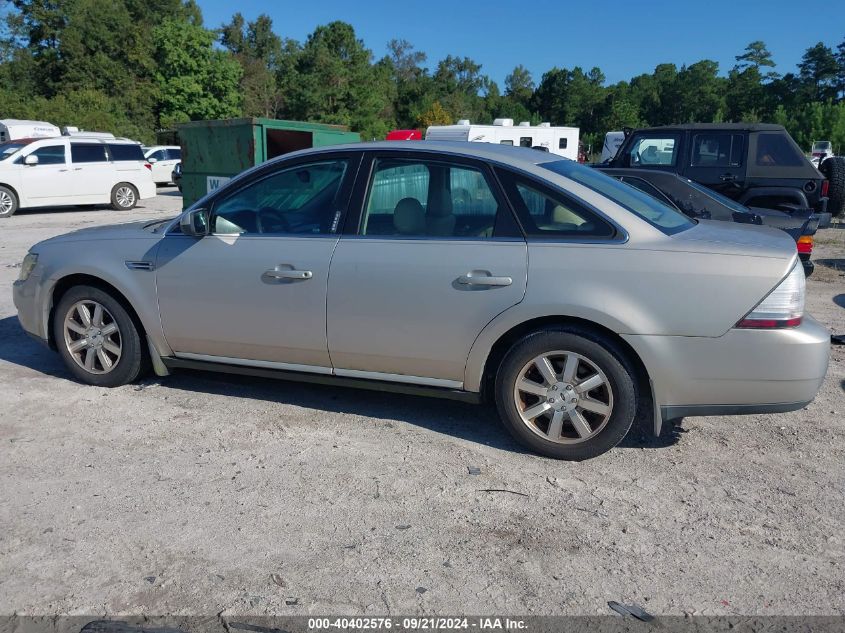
x=163, y=159
x=59, y=171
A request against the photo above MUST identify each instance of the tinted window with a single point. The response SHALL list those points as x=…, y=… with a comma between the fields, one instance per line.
x=645, y=187
x=526, y=141
x=88, y=152
x=126, y=152
x=659, y=215
x=159, y=154
x=506, y=142
x=561, y=144
x=429, y=199
x=774, y=149
x=716, y=149
x=49, y=155
x=297, y=200
x=174, y=154
x=647, y=151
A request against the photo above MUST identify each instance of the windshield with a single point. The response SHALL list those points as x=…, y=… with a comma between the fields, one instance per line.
x=7, y=149
x=718, y=197
x=656, y=213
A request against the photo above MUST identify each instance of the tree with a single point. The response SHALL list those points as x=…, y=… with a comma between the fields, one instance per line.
x=435, y=115
x=519, y=85
x=819, y=70
x=756, y=56
x=194, y=80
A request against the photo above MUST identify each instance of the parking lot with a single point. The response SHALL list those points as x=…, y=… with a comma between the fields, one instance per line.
x=207, y=494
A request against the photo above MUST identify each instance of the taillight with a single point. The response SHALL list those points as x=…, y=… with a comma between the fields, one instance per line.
x=825, y=188
x=805, y=244
x=148, y=166
x=782, y=307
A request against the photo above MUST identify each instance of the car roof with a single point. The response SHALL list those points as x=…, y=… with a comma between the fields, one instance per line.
x=751, y=127
x=494, y=152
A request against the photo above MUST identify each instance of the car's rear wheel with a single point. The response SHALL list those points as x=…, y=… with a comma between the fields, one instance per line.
x=97, y=338
x=8, y=202
x=124, y=197
x=834, y=170
x=566, y=393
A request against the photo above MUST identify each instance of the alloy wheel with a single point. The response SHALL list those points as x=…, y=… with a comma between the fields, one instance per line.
x=563, y=397
x=6, y=203
x=92, y=337
x=125, y=197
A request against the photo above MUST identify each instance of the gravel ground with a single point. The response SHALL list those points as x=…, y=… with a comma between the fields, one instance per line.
x=204, y=494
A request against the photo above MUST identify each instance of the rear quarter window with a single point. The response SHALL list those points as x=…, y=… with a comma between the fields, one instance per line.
x=125, y=152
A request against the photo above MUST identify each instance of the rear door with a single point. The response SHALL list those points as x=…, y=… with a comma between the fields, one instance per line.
x=433, y=257
x=717, y=159
x=92, y=173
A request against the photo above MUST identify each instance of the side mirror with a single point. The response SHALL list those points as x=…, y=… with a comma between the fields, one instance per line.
x=195, y=223
x=31, y=160
x=152, y=160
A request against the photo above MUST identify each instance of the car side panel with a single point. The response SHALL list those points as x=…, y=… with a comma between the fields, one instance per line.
x=634, y=291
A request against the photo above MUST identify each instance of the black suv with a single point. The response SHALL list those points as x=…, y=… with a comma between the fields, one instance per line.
x=756, y=164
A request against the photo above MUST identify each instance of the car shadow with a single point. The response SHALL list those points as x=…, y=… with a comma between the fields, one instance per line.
x=86, y=208
x=840, y=300
x=835, y=264
x=479, y=424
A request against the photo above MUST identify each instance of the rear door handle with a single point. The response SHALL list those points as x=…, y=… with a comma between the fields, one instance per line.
x=483, y=278
x=727, y=177
x=288, y=273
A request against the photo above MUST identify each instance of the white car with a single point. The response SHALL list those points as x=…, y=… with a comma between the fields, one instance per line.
x=163, y=159
x=60, y=171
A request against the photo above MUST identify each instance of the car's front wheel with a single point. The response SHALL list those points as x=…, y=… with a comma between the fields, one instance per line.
x=124, y=197
x=97, y=338
x=566, y=393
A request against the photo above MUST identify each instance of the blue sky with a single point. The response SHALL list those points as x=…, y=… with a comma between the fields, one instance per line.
x=622, y=38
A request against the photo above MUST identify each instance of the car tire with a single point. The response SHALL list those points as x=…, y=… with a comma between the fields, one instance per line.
x=834, y=170
x=8, y=202
x=124, y=196
x=584, y=424
x=109, y=335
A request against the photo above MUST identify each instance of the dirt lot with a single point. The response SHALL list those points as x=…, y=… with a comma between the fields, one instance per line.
x=202, y=494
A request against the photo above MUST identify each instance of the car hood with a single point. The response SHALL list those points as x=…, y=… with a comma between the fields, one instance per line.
x=144, y=229
x=731, y=238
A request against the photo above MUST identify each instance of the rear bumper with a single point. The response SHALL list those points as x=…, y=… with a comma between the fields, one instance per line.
x=744, y=371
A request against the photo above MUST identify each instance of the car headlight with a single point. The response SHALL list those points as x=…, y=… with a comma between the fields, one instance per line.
x=27, y=266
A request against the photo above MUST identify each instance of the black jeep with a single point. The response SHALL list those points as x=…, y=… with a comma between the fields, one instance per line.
x=756, y=164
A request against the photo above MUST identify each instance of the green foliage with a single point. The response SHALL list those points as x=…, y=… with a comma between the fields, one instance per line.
x=194, y=80
x=136, y=66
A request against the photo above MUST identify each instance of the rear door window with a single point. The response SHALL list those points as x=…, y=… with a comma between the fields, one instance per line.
x=125, y=152
x=88, y=153
x=174, y=154
x=716, y=149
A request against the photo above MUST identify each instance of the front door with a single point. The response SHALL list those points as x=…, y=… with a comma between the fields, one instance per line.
x=435, y=258
x=48, y=181
x=254, y=290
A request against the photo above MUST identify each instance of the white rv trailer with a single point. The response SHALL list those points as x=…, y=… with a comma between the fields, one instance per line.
x=557, y=140
x=14, y=129
x=612, y=143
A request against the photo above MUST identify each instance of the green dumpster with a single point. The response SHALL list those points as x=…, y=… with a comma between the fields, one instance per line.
x=213, y=152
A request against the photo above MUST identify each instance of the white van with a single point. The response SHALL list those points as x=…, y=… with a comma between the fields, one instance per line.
x=14, y=129
x=65, y=171
x=162, y=159
x=562, y=141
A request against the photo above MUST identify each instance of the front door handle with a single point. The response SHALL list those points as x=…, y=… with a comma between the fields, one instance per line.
x=483, y=278
x=288, y=273
x=727, y=177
